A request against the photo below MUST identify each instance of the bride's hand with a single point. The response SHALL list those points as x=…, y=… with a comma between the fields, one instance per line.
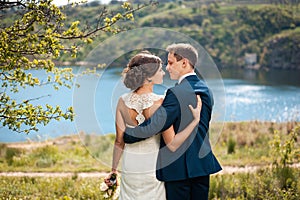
x=196, y=111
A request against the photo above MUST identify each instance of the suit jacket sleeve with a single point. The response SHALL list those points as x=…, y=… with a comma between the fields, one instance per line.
x=161, y=120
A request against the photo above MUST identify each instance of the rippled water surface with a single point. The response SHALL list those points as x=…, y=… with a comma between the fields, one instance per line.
x=248, y=95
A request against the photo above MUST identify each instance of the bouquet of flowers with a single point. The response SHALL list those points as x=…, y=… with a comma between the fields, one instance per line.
x=110, y=188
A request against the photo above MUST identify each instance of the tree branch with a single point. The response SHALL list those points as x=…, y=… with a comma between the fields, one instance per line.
x=106, y=26
x=10, y=4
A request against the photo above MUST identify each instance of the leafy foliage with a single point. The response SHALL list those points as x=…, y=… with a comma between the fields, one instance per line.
x=31, y=41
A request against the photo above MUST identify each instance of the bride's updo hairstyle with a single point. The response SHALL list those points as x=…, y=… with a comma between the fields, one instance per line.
x=140, y=68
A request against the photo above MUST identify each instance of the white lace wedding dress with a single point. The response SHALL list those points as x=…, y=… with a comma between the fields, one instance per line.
x=138, y=179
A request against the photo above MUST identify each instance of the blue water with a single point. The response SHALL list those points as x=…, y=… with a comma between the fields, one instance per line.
x=239, y=96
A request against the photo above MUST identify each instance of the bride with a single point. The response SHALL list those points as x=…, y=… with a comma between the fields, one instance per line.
x=138, y=179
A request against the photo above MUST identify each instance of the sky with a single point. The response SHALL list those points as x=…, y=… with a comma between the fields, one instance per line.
x=64, y=2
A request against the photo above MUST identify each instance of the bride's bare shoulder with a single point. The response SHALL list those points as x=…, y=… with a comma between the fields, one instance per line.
x=121, y=103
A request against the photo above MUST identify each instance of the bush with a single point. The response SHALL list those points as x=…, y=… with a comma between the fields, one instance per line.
x=231, y=146
x=10, y=154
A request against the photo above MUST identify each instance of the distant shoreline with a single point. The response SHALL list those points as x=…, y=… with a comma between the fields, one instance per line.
x=77, y=63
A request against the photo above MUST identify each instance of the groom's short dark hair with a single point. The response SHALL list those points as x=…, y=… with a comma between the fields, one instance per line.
x=184, y=50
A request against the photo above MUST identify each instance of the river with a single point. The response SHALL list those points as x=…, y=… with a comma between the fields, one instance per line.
x=240, y=95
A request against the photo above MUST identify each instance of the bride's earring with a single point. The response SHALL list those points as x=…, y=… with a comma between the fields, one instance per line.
x=149, y=80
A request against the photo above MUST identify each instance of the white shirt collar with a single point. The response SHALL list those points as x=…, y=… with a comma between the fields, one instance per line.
x=185, y=75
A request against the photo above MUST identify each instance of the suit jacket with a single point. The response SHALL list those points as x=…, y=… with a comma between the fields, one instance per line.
x=194, y=157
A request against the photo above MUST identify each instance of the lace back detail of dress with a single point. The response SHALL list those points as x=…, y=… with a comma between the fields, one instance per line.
x=140, y=102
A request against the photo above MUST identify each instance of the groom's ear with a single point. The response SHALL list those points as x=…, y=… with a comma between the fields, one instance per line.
x=184, y=62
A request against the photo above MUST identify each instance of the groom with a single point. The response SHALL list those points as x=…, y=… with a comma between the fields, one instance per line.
x=186, y=171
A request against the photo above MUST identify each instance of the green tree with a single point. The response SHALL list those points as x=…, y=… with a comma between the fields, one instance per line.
x=32, y=36
x=265, y=21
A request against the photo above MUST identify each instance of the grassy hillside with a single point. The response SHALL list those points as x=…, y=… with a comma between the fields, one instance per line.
x=226, y=30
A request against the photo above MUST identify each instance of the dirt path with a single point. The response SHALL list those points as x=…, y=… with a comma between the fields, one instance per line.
x=226, y=170
x=54, y=174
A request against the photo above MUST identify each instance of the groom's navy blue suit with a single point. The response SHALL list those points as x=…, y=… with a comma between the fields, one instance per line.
x=194, y=159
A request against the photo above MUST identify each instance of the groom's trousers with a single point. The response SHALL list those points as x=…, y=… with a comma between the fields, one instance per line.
x=189, y=189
